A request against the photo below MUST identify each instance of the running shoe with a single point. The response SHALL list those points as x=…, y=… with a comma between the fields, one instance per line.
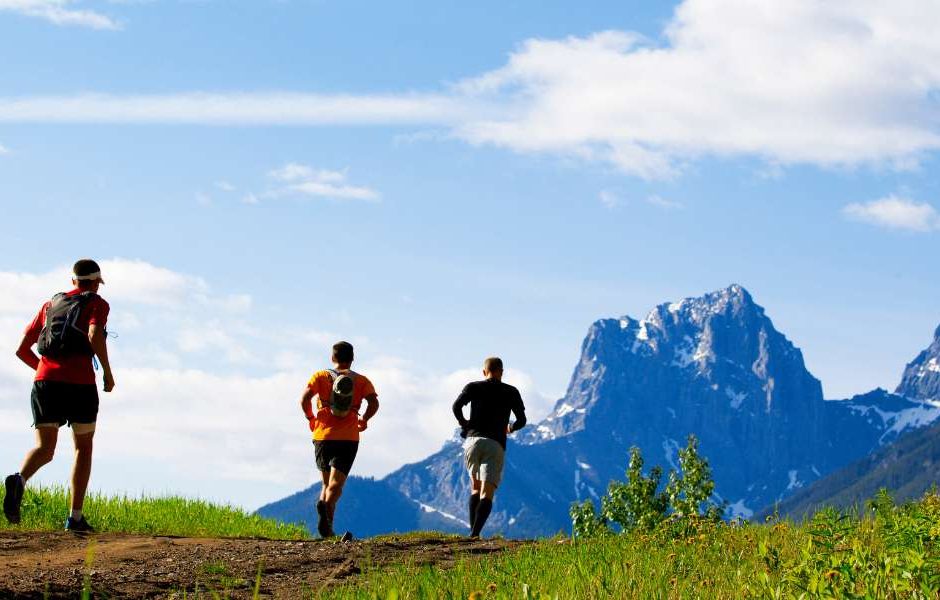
x=13, y=498
x=78, y=525
x=324, y=526
x=347, y=537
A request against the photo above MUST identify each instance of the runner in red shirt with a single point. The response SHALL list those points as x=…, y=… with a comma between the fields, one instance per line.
x=69, y=331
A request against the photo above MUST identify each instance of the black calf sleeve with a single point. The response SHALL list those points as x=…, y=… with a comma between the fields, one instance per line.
x=474, y=503
x=483, y=513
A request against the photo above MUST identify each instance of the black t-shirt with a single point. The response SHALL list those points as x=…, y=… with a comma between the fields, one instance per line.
x=490, y=403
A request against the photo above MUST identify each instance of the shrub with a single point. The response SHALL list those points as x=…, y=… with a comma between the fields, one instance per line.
x=638, y=503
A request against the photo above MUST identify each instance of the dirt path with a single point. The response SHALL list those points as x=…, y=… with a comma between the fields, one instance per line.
x=52, y=565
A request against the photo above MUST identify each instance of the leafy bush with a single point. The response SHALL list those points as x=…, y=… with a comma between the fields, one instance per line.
x=638, y=502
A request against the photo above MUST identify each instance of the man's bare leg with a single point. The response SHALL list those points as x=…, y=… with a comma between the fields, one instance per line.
x=81, y=471
x=334, y=490
x=41, y=455
x=325, y=475
x=324, y=522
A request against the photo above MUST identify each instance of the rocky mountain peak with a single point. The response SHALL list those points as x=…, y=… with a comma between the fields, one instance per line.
x=718, y=349
x=921, y=379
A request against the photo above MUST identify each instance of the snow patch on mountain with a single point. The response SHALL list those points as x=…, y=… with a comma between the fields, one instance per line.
x=671, y=452
x=794, y=483
x=685, y=353
x=430, y=509
x=919, y=416
x=740, y=510
x=737, y=398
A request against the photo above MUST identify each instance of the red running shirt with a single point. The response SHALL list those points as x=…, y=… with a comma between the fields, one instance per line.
x=71, y=369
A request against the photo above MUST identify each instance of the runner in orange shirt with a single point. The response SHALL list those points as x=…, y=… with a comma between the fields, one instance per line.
x=336, y=424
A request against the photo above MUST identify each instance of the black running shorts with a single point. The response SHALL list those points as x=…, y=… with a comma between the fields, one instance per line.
x=335, y=454
x=61, y=403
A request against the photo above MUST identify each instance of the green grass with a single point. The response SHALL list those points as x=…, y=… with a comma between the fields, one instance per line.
x=891, y=553
x=45, y=509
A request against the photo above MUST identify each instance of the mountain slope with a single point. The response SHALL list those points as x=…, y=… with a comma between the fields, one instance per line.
x=369, y=508
x=908, y=467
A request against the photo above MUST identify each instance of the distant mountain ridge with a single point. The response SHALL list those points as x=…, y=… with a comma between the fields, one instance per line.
x=714, y=366
x=908, y=467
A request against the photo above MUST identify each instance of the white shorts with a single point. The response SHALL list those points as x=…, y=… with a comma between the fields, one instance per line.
x=484, y=458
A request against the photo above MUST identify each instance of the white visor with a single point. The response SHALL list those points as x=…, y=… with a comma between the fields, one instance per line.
x=89, y=277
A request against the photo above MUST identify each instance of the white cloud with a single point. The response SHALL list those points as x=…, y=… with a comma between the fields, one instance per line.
x=207, y=395
x=198, y=108
x=660, y=202
x=613, y=200
x=792, y=82
x=802, y=82
x=796, y=82
x=225, y=186
x=59, y=12
x=4, y=150
x=303, y=180
x=895, y=212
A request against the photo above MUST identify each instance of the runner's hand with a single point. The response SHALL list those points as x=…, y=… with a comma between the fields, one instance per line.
x=312, y=423
x=363, y=424
x=108, y=381
x=508, y=429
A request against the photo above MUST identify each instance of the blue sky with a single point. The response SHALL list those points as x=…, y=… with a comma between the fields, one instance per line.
x=443, y=181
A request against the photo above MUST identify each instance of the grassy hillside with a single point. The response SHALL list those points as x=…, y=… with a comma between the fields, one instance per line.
x=909, y=466
x=45, y=509
x=894, y=553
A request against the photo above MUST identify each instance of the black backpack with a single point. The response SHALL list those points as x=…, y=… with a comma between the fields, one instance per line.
x=60, y=335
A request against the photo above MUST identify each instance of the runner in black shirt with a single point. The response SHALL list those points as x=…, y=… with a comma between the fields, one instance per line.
x=490, y=402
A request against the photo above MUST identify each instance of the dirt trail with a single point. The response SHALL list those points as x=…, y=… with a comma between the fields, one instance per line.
x=52, y=565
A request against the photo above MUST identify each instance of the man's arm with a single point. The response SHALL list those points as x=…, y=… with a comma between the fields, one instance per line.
x=98, y=338
x=371, y=409
x=25, y=352
x=518, y=410
x=306, y=402
x=462, y=400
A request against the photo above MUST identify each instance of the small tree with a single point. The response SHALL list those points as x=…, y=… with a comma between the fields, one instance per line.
x=636, y=504
x=691, y=492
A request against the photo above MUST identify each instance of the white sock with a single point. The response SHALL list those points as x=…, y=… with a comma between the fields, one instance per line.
x=76, y=515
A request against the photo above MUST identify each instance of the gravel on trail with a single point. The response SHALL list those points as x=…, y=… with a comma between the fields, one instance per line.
x=58, y=565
